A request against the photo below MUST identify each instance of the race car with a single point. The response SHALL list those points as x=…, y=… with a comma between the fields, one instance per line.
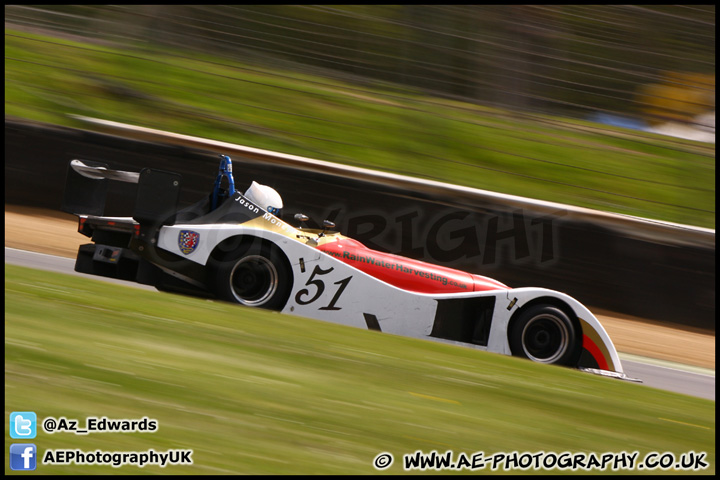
x=236, y=247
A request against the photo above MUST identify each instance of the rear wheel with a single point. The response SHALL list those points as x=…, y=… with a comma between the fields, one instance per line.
x=256, y=276
x=545, y=334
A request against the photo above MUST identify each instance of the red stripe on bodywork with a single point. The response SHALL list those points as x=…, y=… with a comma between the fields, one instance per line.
x=594, y=350
x=406, y=273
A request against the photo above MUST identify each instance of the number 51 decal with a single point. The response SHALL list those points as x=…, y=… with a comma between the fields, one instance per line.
x=301, y=297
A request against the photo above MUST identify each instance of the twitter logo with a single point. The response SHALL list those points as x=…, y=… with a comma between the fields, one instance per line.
x=23, y=425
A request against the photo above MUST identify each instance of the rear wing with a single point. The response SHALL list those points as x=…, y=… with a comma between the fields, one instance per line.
x=156, y=199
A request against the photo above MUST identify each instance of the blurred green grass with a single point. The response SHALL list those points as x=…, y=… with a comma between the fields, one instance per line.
x=555, y=159
x=256, y=392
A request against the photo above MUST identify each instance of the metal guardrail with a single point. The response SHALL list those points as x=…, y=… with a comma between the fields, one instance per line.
x=636, y=227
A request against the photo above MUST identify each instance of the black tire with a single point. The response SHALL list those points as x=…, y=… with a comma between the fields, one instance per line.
x=257, y=276
x=545, y=334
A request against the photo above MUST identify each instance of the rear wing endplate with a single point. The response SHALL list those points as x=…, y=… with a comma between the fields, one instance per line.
x=156, y=199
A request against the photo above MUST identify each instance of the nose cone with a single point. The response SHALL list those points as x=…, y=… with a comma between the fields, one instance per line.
x=481, y=284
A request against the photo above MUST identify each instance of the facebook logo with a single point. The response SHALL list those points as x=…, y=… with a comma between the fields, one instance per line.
x=23, y=456
x=23, y=425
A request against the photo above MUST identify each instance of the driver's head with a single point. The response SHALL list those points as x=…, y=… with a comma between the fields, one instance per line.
x=265, y=197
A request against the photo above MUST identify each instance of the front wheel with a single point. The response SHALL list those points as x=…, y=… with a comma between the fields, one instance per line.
x=545, y=334
x=256, y=277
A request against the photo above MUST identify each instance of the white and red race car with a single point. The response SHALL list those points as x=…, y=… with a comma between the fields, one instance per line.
x=229, y=247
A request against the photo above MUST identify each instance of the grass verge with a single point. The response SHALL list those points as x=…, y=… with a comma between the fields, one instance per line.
x=256, y=392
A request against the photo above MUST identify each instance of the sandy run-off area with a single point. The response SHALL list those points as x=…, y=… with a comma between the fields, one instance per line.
x=56, y=233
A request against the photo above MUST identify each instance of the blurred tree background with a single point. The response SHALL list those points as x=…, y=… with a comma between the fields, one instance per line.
x=655, y=62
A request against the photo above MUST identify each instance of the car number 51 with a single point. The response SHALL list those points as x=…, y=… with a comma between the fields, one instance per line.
x=318, y=285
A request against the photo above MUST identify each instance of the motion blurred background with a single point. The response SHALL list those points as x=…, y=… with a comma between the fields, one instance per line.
x=608, y=107
x=563, y=103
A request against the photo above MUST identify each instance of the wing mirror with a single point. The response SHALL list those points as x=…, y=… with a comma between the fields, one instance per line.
x=301, y=218
x=327, y=225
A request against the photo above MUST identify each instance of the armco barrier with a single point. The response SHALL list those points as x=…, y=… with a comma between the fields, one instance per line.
x=632, y=266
